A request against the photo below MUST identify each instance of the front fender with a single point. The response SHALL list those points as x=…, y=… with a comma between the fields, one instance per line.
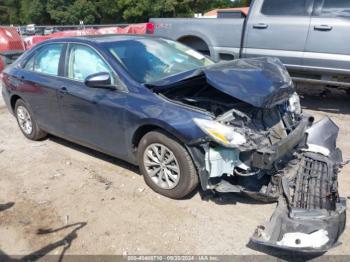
x=156, y=123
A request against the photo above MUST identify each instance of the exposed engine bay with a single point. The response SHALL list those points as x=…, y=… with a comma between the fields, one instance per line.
x=260, y=144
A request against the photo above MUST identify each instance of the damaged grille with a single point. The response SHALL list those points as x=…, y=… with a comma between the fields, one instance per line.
x=315, y=184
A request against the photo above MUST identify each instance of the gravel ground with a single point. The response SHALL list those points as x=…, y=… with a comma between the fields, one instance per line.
x=100, y=205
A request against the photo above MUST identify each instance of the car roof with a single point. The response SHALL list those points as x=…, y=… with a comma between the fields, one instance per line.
x=100, y=38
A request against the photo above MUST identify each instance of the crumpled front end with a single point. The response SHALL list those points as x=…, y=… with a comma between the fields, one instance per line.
x=259, y=143
x=310, y=215
x=299, y=169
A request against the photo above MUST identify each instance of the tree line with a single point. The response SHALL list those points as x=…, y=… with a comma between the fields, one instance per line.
x=63, y=12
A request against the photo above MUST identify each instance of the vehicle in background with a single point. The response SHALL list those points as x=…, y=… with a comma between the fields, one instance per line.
x=21, y=31
x=140, y=28
x=14, y=40
x=11, y=46
x=30, y=29
x=234, y=127
x=50, y=30
x=311, y=37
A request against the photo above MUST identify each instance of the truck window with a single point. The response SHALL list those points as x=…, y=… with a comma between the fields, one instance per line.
x=285, y=7
x=335, y=8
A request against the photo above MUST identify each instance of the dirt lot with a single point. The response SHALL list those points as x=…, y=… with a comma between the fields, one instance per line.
x=55, y=184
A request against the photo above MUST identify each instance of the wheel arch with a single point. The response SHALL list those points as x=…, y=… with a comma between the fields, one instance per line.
x=142, y=130
x=196, y=42
x=13, y=101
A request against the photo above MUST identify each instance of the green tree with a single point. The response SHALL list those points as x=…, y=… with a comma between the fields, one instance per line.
x=109, y=11
x=9, y=10
x=103, y=11
x=33, y=12
x=84, y=10
x=142, y=10
x=3, y=13
x=71, y=12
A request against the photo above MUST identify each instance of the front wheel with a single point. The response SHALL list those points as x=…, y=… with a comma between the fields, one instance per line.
x=166, y=165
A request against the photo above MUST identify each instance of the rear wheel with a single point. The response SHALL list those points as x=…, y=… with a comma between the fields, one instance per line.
x=166, y=165
x=27, y=123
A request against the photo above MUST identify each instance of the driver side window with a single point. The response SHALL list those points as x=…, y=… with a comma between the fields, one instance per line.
x=84, y=61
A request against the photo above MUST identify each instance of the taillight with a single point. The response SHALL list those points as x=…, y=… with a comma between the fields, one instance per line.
x=150, y=28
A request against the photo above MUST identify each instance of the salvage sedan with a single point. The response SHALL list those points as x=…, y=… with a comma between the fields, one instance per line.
x=230, y=127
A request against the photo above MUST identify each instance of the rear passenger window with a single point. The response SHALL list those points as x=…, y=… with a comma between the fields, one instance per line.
x=284, y=7
x=335, y=8
x=47, y=60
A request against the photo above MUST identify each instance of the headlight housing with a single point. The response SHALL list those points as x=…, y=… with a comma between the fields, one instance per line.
x=222, y=134
x=294, y=104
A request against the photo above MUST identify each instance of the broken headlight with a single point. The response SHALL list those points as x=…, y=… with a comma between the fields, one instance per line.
x=222, y=134
x=294, y=104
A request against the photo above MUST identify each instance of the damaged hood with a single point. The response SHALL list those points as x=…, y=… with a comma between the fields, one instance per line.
x=261, y=82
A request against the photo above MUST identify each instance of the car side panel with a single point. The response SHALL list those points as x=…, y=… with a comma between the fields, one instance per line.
x=39, y=91
x=94, y=117
x=146, y=108
x=106, y=120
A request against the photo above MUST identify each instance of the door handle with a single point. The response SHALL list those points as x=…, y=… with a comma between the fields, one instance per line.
x=260, y=26
x=323, y=28
x=63, y=91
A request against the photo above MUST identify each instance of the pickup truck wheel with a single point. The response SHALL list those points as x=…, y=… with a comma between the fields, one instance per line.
x=166, y=165
x=27, y=123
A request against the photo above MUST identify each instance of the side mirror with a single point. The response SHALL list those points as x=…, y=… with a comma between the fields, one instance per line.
x=99, y=80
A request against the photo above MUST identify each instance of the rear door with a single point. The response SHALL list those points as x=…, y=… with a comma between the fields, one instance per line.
x=278, y=28
x=328, y=45
x=39, y=80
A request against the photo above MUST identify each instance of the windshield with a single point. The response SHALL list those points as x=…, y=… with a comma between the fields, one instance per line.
x=148, y=60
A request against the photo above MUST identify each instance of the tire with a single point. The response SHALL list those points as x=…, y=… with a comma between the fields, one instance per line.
x=172, y=184
x=22, y=111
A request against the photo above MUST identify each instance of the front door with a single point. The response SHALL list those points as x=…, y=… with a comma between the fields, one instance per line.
x=92, y=116
x=278, y=28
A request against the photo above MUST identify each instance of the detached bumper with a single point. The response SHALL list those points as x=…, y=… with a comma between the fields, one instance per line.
x=306, y=231
x=310, y=216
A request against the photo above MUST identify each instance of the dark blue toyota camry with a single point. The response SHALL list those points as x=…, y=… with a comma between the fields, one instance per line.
x=232, y=127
